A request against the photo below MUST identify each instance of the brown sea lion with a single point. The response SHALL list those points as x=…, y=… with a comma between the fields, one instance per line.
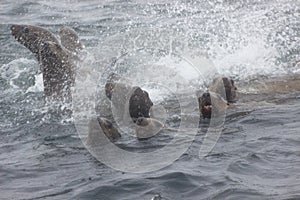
x=139, y=104
x=264, y=91
x=32, y=37
x=205, y=101
x=58, y=72
x=205, y=106
x=280, y=84
x=55, y=60
x=70, y=40
x=112, y=80
x=139, y=100
x=106, y=126
x=230, y=90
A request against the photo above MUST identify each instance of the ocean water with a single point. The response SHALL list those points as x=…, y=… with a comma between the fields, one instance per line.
x=171, y=49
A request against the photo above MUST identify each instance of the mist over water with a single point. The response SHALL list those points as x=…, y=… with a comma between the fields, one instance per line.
x=159, y=45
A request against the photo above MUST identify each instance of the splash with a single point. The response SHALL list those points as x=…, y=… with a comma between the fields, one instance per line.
x=249, y=60
x=19, y=74
x=38, y=86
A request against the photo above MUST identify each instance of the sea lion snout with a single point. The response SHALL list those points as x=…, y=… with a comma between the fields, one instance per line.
x=18, y=30
x=140, y=121
x=205, y=105
x=15, y=28
x=147, y=127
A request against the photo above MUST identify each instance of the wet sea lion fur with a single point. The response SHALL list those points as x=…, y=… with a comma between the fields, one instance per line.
x=106, y=127
x=147, y=127
x=219, y=86
x=139, y=102
x=55, y=58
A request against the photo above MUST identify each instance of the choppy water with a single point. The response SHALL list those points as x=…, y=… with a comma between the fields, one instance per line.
x=257, y=155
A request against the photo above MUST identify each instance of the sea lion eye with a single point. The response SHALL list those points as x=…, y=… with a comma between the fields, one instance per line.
x=206, y=95
x=26, y=30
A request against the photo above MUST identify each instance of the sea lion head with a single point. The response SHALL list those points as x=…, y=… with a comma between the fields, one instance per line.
x=139, y=100
x=205, y=106
x=110, y=84
x=108, y=129
x=69, y=39
x=147, y=127
x=32, y=36
x=205, y=101
x=139, y=104
x=142, y=121
x=230, y=90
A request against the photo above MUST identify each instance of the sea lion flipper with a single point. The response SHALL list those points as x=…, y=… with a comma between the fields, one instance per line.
x=98, y=126
x=55, y=61
x=57, y=72
x=70, y=40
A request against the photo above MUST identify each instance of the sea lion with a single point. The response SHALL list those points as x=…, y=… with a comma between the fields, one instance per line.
x=205, y=101
x=139, y=104
x=274, y=89
x=205, y=106
x=56, y=60
x=111, y=82
x=106, y=126
x=230, y=90
x=147, y=127
x=109, y=130
x=58, y=72
x=123, y=95
x=70, y=40
x=274, y=85
x=32, y=37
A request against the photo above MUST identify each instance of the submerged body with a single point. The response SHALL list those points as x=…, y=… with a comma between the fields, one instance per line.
x=106, y=127
x=281, y=85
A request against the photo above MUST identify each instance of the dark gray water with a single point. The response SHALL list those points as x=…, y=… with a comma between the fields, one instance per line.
x=258, y=153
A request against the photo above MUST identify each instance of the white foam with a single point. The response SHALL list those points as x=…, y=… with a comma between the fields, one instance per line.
x=255, y=58
x=15, y=68
x=38, y=86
